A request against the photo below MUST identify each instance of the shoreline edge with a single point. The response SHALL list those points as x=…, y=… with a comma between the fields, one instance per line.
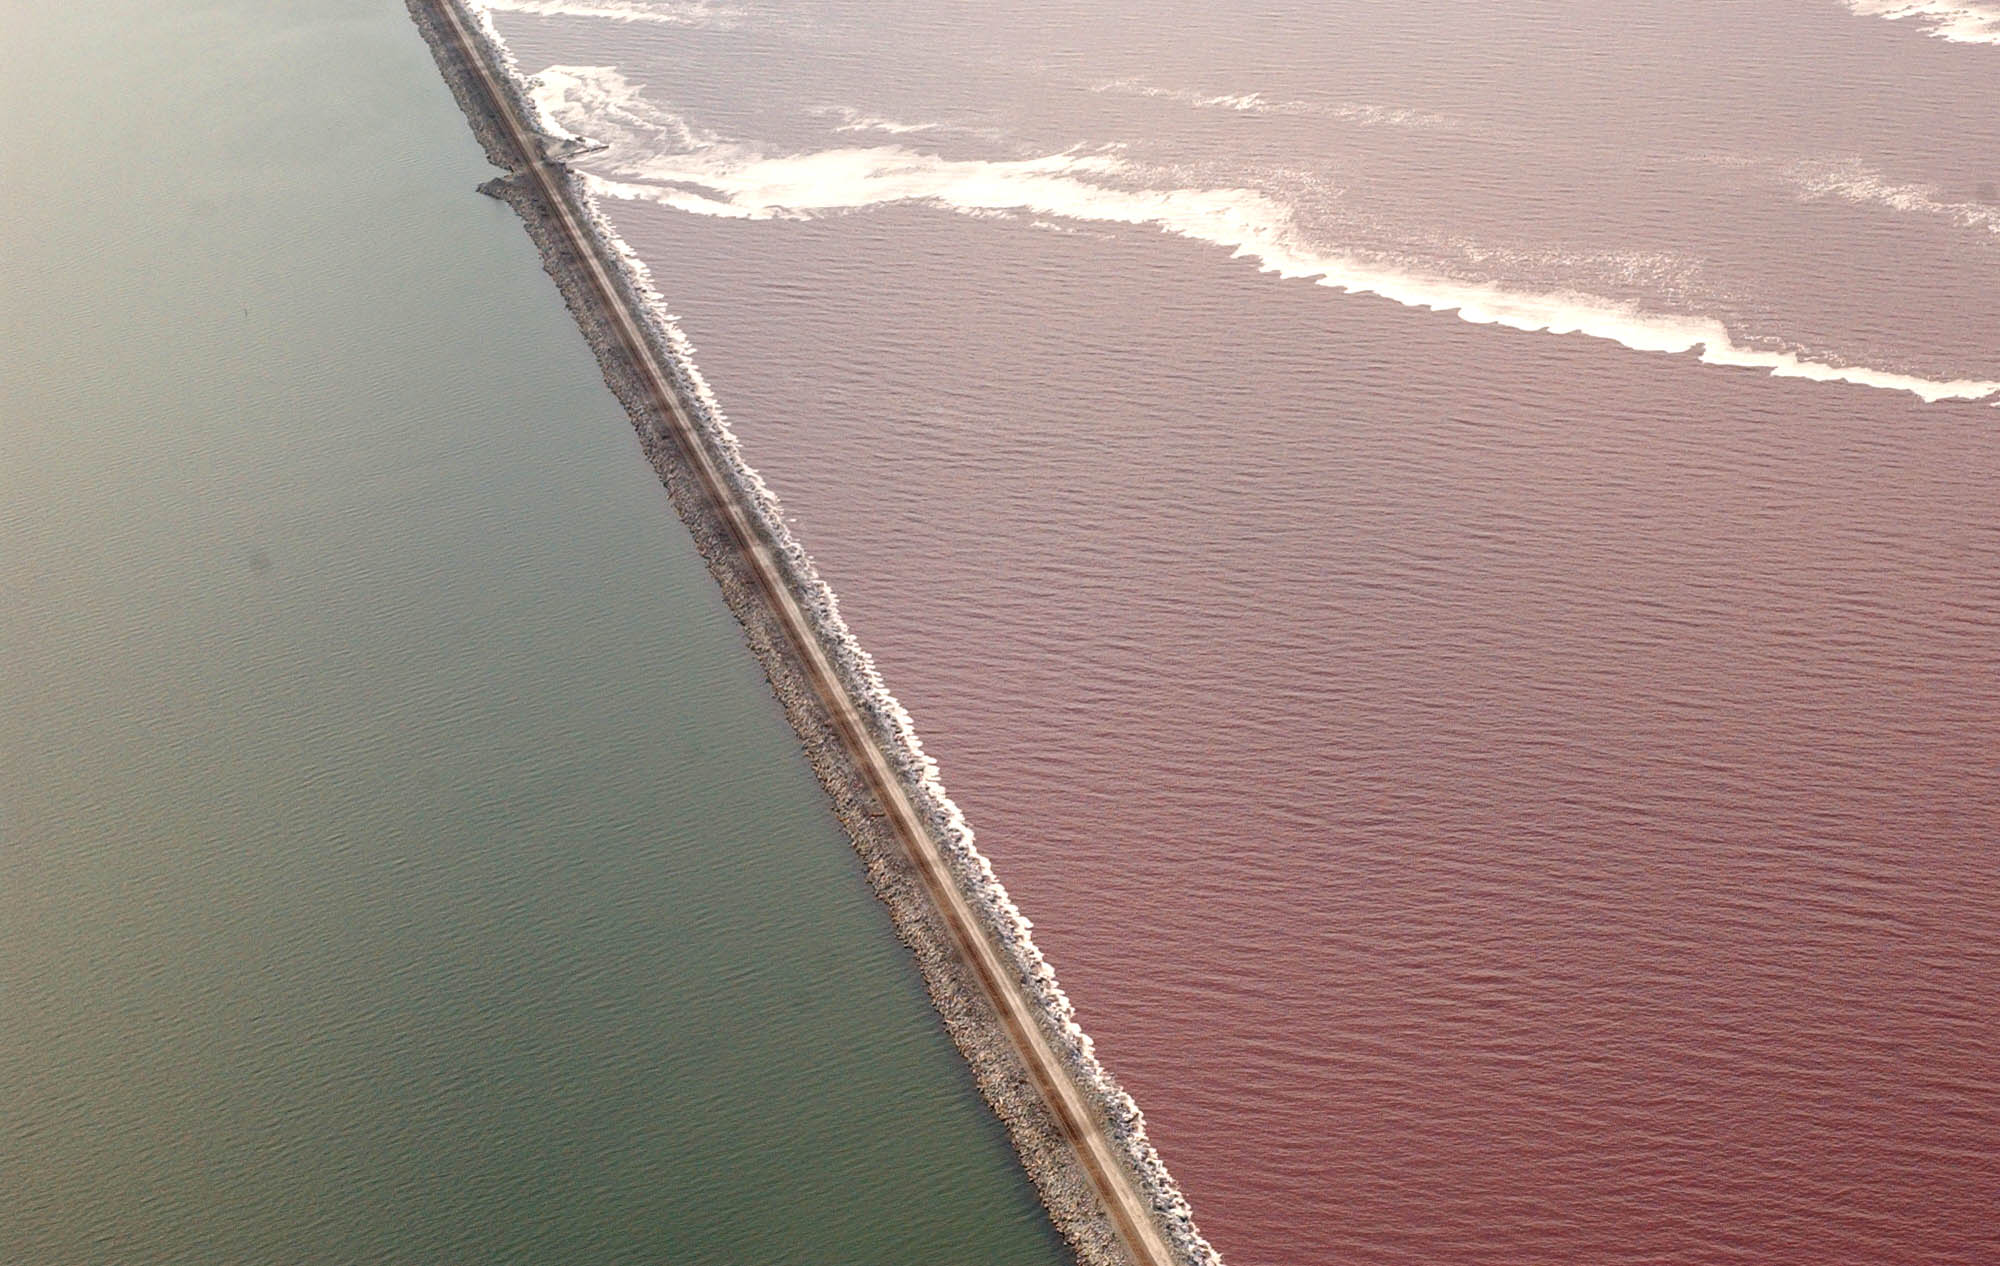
x=1080, y=1137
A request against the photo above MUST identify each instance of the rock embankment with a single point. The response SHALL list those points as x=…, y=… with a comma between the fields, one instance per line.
x=967, y=1011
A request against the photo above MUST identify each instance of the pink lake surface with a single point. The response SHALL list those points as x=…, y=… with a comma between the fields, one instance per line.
x=1489, y=827
x=1494, y=796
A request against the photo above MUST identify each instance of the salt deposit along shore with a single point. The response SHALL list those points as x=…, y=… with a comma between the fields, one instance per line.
x=1080, y=1137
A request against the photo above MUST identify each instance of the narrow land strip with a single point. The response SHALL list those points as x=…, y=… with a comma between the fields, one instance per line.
x=1095, y=1155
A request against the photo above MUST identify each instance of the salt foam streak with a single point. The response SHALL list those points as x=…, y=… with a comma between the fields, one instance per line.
x=697, y=13
x=900, y=742
x=657, y=157
x=1960, y=21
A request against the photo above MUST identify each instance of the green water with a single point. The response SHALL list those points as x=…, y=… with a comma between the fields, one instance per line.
x=401, y=858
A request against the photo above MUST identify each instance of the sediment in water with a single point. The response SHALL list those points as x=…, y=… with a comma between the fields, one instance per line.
x=967, y=1014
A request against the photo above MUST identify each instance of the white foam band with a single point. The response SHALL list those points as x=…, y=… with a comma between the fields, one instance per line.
x=684, y=13
x=1960, y=21
x=1257, y=103
x=1854, y=181
x=664, y=161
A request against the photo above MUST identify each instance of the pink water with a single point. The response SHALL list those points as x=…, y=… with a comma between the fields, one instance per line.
x=1495, y=796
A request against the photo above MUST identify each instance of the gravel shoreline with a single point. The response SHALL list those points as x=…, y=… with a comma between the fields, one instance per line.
x=968, y=1015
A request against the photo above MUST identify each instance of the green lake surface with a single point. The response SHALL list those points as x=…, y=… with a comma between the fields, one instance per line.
x=401, y=857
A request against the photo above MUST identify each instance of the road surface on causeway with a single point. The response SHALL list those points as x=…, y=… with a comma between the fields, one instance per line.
x=1018, y=1012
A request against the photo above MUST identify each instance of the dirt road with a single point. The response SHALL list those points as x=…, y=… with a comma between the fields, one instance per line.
x=1096, y=1153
